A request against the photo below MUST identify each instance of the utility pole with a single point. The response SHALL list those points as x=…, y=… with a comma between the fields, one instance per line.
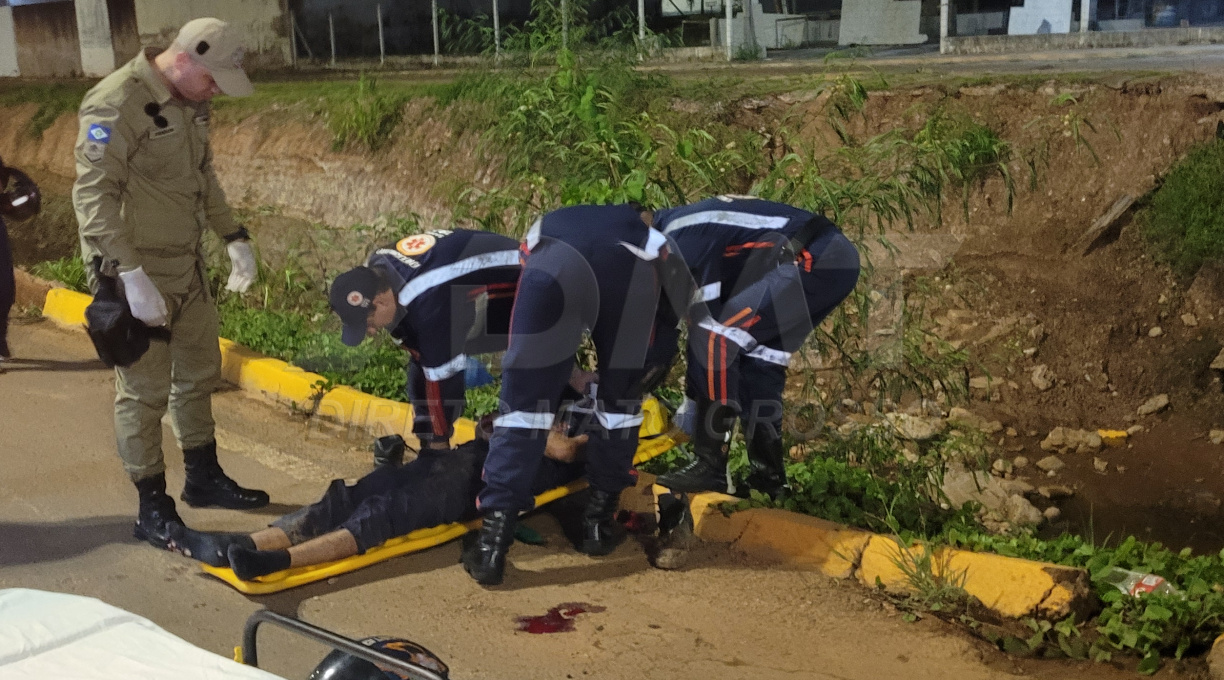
x=943, y=26
x=496, y=33
x=1085, y=14
x=331, y=31
x=564, y=25
x=382, y=45
x=434, y=7
x=292, y=39
x=641, y=20
x=727, y=32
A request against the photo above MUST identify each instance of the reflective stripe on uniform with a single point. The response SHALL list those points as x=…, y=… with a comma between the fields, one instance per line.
x=730, y=218
x=711, y=291
x=618, y=421
x=739, y=336
x=525, y=420
x=436, y=277
x=773, y=356
x=446, y=370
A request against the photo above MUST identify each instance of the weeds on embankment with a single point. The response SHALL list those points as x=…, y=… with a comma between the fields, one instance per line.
x=1184, y=219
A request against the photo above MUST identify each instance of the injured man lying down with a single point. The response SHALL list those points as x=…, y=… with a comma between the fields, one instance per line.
x=437, y=487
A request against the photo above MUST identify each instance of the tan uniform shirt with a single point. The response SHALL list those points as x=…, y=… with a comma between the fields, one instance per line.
x=145, y=188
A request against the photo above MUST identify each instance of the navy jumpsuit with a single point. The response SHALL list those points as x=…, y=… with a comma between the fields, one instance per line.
x=8, y=288
x=764, y=298
x=456, y=299
x=587, y=268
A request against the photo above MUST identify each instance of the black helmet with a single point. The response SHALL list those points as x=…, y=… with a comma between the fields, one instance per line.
x=342, y=666
x=21, y=198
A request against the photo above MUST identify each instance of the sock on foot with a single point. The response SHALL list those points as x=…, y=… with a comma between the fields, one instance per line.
x=248, y=563
x=207, y=547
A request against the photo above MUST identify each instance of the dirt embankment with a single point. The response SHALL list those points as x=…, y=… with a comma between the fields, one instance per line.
x=1074, y=339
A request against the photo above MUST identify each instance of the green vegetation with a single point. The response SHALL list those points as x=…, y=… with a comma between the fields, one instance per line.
x=1184, y=220
x=53, y=101
x=369, y=118
x=69, y=271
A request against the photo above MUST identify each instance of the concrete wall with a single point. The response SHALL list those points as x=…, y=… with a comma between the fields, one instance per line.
x=1040, y=17
x=1000, y=44
x=881, y=22
x=124, y=34
x=94, y=33
x=8, y=44
x=47, y=42
x=264, y=22
x=979, y=24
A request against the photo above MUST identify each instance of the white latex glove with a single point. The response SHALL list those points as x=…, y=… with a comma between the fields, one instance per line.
x=242, y=266
x=143, y=298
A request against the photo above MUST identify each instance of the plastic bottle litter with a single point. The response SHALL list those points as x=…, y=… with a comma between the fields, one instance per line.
x=1134, y=583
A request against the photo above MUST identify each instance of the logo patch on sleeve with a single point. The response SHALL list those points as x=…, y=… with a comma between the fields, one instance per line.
x=99, y=134
x=416, y=245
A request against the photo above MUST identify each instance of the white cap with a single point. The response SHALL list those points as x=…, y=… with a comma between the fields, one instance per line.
x=218, y=47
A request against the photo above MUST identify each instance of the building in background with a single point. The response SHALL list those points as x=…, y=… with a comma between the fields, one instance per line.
x=67, y=38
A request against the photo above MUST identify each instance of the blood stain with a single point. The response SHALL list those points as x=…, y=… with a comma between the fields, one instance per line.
x=559, y=619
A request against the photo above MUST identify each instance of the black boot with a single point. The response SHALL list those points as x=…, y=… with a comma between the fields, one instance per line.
x=766, y=462
x=389, y=450
x=708, y=471
x=485, y=558
x=600, y=531
x=207, y=485
x=157, y=513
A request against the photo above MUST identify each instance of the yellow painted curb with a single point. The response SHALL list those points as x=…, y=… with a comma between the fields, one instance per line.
x=66, y=307
x=1009, y=586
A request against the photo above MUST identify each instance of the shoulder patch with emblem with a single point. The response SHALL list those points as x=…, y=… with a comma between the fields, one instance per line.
x=416, y=245
x=96, y=139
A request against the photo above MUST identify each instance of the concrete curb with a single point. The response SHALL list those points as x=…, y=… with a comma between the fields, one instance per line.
x=1008, y=586
x=277, y=381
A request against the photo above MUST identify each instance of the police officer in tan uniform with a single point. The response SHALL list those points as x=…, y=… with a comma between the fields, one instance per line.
x=145, y=192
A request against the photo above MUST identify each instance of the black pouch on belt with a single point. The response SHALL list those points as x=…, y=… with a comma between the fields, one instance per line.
x=119, y=338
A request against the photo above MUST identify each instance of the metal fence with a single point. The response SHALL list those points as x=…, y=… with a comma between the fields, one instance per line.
x=381, y=31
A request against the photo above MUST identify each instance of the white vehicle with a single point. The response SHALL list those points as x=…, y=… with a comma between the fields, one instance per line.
x=53, y=636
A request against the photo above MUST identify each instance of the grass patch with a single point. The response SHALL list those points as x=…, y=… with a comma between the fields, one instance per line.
x=69, y=271
x=1184, y=221
x=53, y=99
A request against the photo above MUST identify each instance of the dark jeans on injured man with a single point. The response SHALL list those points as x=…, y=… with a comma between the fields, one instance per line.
x=438, y=487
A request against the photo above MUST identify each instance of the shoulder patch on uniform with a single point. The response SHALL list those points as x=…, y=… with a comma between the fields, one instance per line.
x=99, y=134
x=416, y=245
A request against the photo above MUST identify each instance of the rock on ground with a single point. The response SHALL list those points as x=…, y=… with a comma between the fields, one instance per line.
x=1051, y=464
x=916, y=428
x=1066, y=440
x=1153, y=405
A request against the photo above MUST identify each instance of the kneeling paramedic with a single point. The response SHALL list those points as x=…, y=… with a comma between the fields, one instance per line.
x=769, y=274
x=145, y=193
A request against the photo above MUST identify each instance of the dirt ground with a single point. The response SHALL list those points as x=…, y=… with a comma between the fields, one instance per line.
x=66, y=511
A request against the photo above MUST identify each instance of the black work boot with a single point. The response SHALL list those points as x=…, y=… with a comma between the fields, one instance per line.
x=766, y=462
x=600, y=531
x=208, y=485
x=485, y=558
x=389, y=450
x=156, y=514
x=708, y=471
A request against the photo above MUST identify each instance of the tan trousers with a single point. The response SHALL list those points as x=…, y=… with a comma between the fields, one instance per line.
x=179, y=376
